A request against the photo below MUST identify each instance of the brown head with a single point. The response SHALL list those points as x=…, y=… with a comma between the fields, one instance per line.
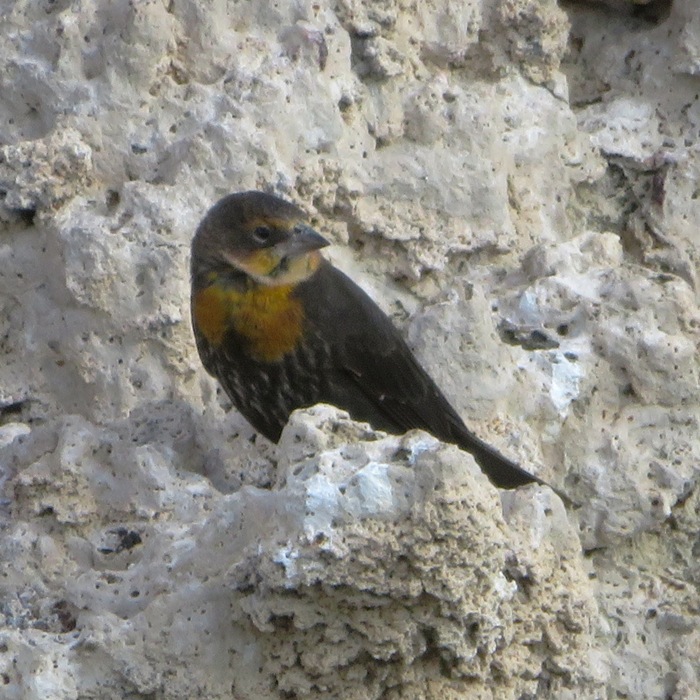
x=257, y=235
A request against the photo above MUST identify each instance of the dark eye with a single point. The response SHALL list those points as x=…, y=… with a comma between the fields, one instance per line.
x=262, y=234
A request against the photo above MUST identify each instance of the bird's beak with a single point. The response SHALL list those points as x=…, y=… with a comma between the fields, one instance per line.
x=303, y=240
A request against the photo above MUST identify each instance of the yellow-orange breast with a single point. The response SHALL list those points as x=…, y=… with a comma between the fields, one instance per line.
x=270, y=319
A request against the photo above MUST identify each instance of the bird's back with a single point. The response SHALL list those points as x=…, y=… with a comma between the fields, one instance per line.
x=374, y=375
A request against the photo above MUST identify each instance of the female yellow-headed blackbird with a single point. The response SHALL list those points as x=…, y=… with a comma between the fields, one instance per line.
x=281, y=329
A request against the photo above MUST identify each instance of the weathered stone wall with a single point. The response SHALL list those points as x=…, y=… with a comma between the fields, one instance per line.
x=517, y=183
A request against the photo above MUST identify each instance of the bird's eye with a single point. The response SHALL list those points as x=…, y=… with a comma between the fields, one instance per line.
x=262, y=234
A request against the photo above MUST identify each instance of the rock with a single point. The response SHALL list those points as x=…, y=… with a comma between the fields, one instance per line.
x=516, y=184
x=378, y=565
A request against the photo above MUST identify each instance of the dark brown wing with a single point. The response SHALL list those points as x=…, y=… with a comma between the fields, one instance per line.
x=378, y=379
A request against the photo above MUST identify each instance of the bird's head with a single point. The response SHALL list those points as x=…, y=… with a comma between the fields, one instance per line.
x=260, y=235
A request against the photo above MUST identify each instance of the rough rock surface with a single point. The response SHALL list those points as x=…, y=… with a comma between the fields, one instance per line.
x=517, y=183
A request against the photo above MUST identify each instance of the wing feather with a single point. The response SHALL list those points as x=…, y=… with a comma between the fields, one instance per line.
x=399, y=394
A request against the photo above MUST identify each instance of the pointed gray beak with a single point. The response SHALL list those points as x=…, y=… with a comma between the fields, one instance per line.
x=304, y=240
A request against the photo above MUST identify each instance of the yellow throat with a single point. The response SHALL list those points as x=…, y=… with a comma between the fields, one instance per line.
x=266, y=313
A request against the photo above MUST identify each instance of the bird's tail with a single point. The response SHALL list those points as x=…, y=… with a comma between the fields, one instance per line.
x=501, y=471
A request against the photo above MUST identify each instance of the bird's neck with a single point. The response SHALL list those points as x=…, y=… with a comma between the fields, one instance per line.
x=250, y=277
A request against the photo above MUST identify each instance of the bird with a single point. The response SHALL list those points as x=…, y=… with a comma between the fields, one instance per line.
x=281, y=328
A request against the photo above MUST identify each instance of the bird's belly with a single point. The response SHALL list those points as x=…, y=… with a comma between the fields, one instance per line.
x=267, y=393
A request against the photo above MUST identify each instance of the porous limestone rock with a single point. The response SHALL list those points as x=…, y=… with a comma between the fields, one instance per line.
x=375, y=567
x=516, y=183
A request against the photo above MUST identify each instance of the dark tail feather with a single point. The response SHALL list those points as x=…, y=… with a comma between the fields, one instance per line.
x=499, y=469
